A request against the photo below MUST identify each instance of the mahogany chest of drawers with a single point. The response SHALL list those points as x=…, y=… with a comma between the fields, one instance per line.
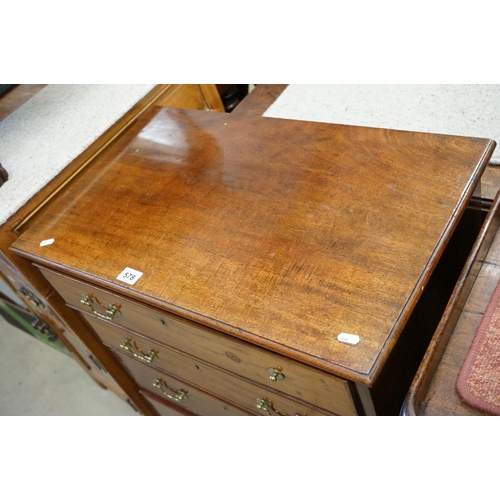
x=254, y=266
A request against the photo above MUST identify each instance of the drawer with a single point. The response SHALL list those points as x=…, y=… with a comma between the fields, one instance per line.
x=26, y=292
x=178, y=392
x=276, y=372
x=180, y=365
x=35, y=303
x=224, y=385
x=162, y=406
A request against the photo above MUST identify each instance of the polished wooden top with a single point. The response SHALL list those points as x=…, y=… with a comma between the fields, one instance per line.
x=282, y=232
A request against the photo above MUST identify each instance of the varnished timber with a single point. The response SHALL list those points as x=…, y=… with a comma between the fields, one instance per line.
x=263, y=96
x=64, y=320
x=198, y=96
x=197, y=401
x=277, y=232
x=201, y=97
x=433, y=391
x=153, y=328
x=164, y=407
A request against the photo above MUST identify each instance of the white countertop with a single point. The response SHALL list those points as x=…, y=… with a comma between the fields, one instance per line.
x=50, y=130
x=468, y=110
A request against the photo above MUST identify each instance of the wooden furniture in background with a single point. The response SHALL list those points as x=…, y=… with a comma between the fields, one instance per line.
x=433, y=391
x=264, y=95
x=191, y=96
x=262, y=243
x=26, y=281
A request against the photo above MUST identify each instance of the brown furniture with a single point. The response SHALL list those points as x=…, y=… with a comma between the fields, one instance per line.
x=25, y=280
x=433, y=391
x=234, y=264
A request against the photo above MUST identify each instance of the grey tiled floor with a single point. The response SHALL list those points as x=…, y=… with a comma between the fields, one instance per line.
x=35, y=379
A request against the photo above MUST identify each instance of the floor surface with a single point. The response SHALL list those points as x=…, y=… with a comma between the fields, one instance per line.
x=37, y=380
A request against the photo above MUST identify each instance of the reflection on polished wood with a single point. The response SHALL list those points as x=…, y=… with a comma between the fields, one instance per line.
x=433, y=392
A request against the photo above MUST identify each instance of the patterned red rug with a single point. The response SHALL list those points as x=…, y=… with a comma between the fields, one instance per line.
x=478, y=382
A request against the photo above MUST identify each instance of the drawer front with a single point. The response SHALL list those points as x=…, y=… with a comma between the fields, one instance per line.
x=276, y=372
x=224, y=385
x=162, y=406
x=185, y=367
x=178, y=392
x=33, y=300
x=25, y=291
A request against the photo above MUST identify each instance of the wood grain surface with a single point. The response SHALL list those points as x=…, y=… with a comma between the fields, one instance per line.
x=281, y=232
x=198, y=96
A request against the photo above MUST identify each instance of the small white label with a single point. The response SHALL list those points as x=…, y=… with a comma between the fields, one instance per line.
x=348, y=338
x=129, y=275
x=44, y=243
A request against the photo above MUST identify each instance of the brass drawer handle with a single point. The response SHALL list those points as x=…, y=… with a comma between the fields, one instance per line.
x=267, y=406
x=179, y=395
x=30, y=296
x=110, y=311
x=275, y=374
x=130, y=344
